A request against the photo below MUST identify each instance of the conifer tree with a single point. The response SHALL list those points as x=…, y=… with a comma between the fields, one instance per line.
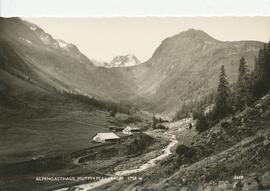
x=267, y=66
x=154, y=122
x=243, y=85
x=257, y=68
x=262, y=72
x=223, y=99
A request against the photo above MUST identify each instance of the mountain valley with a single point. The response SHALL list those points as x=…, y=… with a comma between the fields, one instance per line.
x=54, y=100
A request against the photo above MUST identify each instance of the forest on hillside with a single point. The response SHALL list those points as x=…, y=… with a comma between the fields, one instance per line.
x=230, y=97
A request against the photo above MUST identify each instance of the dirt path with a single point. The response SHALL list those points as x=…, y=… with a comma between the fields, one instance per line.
x=149, y=164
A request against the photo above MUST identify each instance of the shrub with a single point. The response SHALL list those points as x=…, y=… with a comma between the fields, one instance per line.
x=185, y=154
x=113, y=112
x=185, y=151
x=202, y=124
x=225, y=125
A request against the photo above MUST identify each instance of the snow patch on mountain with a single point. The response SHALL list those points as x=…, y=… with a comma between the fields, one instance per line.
x=118, y=61
x=32, y=26
x=62, y=44
x=28, y=41
x=66, y=46
x=45, y=38
x=124, y=61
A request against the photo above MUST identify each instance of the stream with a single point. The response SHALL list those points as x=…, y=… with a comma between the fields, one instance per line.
x=149, y=164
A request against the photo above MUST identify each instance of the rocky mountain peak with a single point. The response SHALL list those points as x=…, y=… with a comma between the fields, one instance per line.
x=194, y=33
x=191, y=36
x=119, y=61
x=188, y=41
x=124, y=61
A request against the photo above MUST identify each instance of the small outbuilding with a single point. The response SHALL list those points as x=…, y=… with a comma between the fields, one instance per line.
x=130, y=130
x=105, y=137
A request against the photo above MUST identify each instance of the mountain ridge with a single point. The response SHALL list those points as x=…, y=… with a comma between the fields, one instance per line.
x=182, y=67
x=180, y=63
x=65, y=69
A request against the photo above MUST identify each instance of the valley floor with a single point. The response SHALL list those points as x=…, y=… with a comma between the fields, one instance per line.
x=52, y=137
x=128, y=169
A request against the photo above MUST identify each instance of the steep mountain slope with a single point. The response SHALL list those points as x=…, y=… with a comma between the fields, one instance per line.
x=55, y=63
x=184, y=66
x=232, y=155
x=187, y=65
x=235, y=147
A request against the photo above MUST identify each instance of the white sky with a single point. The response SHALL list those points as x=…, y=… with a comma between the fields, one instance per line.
x=77, y=8
x=103, y=38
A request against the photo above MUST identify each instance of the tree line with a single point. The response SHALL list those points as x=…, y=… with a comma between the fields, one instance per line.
x=110, y=106
x=228, y=98
x=195, y=106
x=250, y=86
